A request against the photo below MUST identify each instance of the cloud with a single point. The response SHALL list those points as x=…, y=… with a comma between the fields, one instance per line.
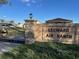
x=37, y=3
x=33, y=1
x=29, y=2
x=4, y=16
x=26, y=1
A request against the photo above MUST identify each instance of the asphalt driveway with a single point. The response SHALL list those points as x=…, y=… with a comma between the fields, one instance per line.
x=7, y=46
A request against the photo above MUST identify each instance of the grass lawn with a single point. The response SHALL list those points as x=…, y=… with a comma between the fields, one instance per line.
x=43, y=50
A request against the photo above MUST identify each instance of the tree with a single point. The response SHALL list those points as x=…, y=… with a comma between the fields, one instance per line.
x=12, y=22
x=2, y=20
x=19, y=23
x=3, y=1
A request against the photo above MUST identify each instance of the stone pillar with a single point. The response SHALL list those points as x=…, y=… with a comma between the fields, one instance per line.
x=29, y=32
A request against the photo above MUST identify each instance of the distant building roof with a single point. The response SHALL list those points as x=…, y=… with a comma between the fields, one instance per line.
x=2, y=21
x=76, y=24
x=58, y=20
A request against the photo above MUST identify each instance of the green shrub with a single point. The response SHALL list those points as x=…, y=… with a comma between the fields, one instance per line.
x=44, y=51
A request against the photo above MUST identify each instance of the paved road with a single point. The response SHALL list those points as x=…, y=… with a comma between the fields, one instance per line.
x=6, y=46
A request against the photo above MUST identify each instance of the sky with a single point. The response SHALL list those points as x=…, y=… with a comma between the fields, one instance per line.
x=42, y=10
